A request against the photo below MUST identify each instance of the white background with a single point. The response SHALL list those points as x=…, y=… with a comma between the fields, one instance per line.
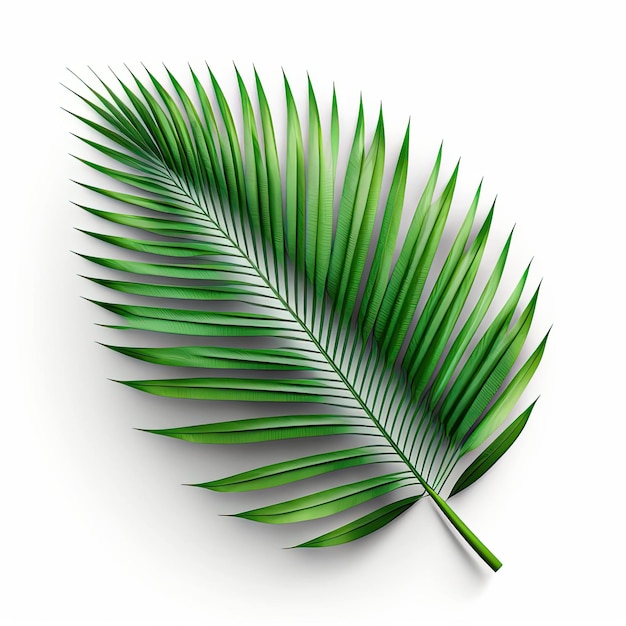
x=94, y=525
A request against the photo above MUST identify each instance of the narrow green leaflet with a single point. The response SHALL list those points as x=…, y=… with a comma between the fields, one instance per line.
x=381, y=264
x=300, y=469
x=222, y=358
x=244, y=389
x=363, y=526
x=346, y=207
x=295, y=183
x=255, y=265
x=270, y=429
x=217, y=290
x=492, y=453
x=274, y=184
x=174, y=248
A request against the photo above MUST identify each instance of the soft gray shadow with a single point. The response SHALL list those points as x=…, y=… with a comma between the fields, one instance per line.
x=480, y=571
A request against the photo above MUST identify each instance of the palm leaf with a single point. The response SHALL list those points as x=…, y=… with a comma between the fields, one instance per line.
x=214, y=217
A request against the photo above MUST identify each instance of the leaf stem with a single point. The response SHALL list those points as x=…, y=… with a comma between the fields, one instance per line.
x=477, y=545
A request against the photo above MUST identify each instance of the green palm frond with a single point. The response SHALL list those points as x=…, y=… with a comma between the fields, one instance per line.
x=230, y=240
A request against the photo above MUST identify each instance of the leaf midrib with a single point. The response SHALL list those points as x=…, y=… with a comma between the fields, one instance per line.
x=314, y=340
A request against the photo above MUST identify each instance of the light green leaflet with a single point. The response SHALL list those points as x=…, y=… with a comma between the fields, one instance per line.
x=220, y=235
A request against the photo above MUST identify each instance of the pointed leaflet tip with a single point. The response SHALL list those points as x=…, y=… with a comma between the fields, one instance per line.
x=287, y=87
x=119, y=349
x=380, y=126
x=242, y=86
x=98, y=302
x=153, y=431
x=213, y=79
x=489, y=217
x=438, y=157
x=257, y=80
x=130, y=383
x=71, y=71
